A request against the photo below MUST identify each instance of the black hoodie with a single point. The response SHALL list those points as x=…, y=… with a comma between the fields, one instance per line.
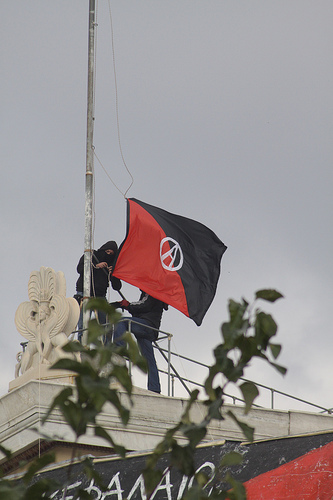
x=99, y=277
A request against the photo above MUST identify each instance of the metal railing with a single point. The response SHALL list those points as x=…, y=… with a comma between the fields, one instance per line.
x=235, y=399
x=173, y=374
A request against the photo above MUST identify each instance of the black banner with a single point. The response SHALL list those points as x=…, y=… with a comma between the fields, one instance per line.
x=124, y=480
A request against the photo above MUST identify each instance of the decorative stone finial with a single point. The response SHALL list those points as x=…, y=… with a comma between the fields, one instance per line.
x=46, y=320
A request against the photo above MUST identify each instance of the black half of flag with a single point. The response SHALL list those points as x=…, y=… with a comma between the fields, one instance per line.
x=173, y=258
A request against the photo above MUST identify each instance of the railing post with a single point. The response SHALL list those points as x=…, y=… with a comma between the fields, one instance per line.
x=169, y=362
x=272, y=399
x=129, y=361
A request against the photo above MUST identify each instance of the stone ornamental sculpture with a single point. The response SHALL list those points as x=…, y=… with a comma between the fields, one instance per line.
x=46, y=321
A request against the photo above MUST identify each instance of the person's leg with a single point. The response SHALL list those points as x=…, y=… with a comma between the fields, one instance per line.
x=147, y=351
x=80, y=325
x=80, y=322
x=101, y=316
x=145, y=336
x=119, y=331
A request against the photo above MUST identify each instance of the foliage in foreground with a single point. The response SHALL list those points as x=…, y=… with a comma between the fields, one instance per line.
x=247, y=335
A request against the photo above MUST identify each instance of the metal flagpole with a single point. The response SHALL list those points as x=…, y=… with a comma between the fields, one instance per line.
x=89, y=169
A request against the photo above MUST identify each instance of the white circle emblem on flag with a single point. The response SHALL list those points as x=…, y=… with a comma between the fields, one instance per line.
x=171, y=254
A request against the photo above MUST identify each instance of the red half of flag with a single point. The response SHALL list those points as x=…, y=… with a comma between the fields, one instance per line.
x=172, y=258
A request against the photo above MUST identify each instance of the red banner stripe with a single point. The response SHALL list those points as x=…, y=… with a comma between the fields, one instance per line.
x=308, y=477
x=139, y=261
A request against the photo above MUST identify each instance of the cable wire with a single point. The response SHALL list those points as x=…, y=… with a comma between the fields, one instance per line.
x=117, y=103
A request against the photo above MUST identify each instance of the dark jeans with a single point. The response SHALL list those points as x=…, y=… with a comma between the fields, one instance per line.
x=144, y=336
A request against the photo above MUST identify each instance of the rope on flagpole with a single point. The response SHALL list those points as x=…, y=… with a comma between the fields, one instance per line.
x=117, y=117
x=110, y=178
x=117, y=104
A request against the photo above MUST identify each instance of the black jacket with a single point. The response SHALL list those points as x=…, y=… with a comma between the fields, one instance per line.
x=99, y=277
x=148, y=308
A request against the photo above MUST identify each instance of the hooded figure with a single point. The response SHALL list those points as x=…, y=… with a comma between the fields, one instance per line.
x=101, y=264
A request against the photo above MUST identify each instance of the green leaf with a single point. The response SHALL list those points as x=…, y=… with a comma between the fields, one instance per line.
x=42, y=489
x=238, y=491
x=75, y=417
x=73, y=366
x=124, y=413
x=192, y=399
x=74, y=346
x=270, y=295
x=246, y=429
x=197, y=493
x=59, y=400
x=5, y=451
x=122, y=375
x=279, y=368
x=250, y=393
x=231, y=458
x=182, y=457
x=265, y=328
x=134, y=354
x=95, y=333
x=101, y=432
x=231, y=332
x=237, y=325
x=11, y=491
x=236, y=311
x=202, y=479
x=195, y=433
x=214, y=409
x=208, y=384
x=37, y=465
x=151, y=479
x=275, y=350
x=101, y=304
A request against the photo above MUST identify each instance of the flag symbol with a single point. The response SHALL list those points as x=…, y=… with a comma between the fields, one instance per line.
x=171, y=255
x=173, y=258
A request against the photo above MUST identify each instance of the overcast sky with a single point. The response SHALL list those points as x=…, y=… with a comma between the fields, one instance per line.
x=226, y=117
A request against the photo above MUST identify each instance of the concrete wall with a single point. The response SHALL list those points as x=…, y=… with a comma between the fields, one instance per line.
x=22, y=409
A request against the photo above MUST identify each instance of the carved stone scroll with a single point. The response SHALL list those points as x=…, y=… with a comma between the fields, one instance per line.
x=46, y=321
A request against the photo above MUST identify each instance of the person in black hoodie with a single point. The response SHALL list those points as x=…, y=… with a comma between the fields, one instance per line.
x=101, y=266
x=146, y=320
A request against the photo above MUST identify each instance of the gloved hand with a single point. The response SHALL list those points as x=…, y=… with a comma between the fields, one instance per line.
x=78, y=298
x=124, y=304
x=116, y=305
x=120, y=305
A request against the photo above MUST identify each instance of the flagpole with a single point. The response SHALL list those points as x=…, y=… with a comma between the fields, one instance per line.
x=89, y=168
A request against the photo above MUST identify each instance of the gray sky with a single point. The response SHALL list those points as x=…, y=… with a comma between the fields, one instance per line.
x=226, y=115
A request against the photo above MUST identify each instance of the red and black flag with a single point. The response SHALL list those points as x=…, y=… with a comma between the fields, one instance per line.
x=173, y=258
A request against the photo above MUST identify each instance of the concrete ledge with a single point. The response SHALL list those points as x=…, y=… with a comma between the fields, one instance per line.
x=22, y=409
x=42, y=372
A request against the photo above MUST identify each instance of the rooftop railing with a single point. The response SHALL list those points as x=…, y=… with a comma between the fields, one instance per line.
x=173, y=375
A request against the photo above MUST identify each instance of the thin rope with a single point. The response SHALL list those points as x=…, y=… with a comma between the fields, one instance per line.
x=95, y=52
x=39, y=386
x=115, y=185
x=117, y=104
